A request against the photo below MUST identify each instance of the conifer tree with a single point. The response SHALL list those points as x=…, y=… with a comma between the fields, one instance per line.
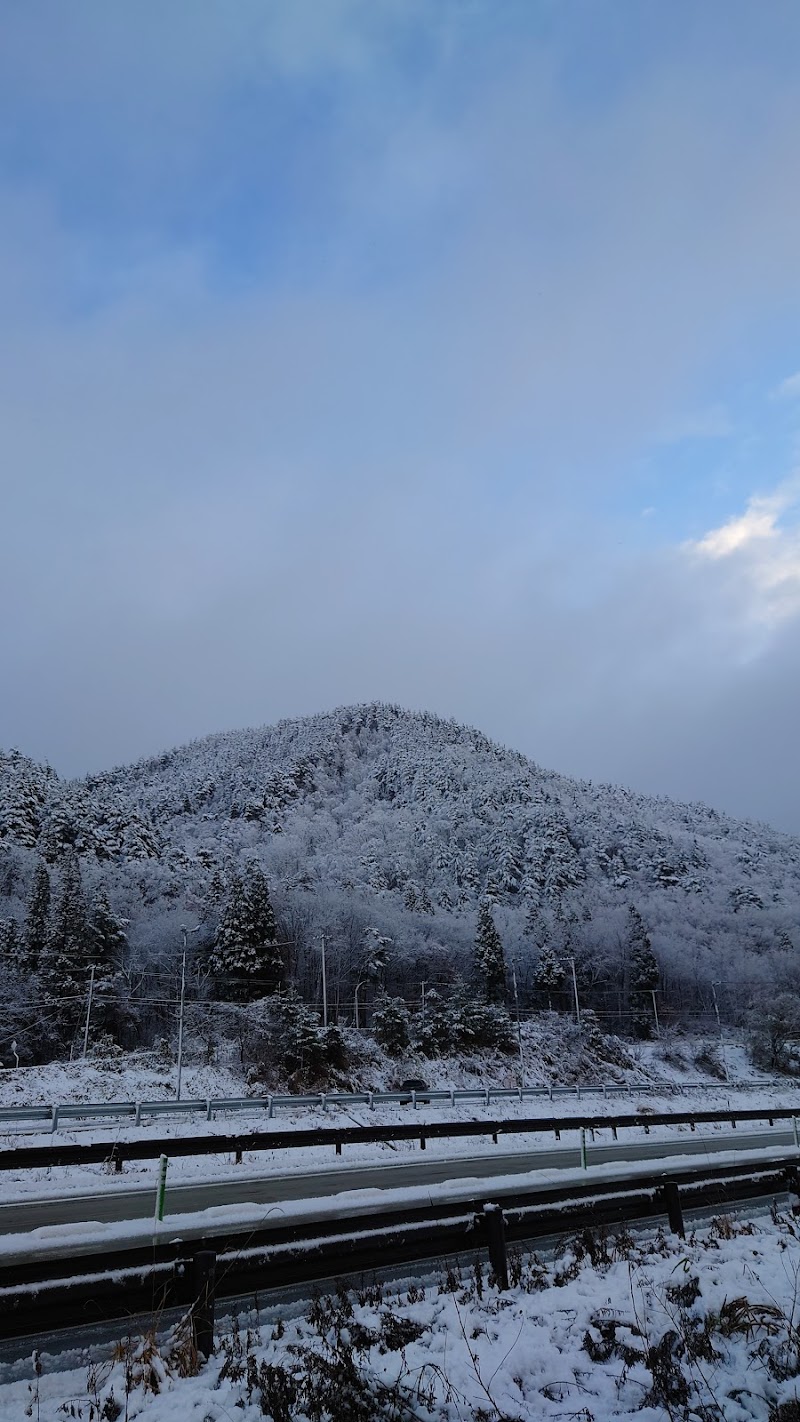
x=68, y=951
x=11, y=946
x=245, y=947
x=489, y=957
x=63, y=966
x=643, y=974
x=391, y=1022
x=550, y=974
x=107, y=936
x=37, y=918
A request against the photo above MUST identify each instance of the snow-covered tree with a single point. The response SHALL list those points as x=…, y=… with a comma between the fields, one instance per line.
x=246, y=958
x=489, y=957
x=107, y=936
x=549, y=974
x=390, y=1019
x=37, y=918
x=64, y=963
x=643, y=974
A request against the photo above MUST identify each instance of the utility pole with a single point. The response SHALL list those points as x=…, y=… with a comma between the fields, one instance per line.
x=719, y=1029
x=355, y=1004
x=519, y=1025
x=88, y=1013
x=655, y=1011
x=324, y=987
x=423, y=985
x=575, y=990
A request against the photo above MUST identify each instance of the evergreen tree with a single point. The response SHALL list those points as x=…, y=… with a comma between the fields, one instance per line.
x=245, y=947
x=11, y=946
x=262, y=930
x=63, y=966
x=391, y=1022
x=643, y=974
x=550, y=974
x=65, y=960
x=489, y=957
x=107, y=936
x=37, y=918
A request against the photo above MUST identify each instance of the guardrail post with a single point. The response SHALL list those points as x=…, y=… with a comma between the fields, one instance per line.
x=338, y=1147
x=238, y=1156
x=209, y=1109
x=117, y=1157
x=613, y=1133
x=794, y=1130
x=584, y=1163
x=422, y=1142
x=672, y=1200
x=54, y=1119
x=496, y=1234
x=205, y=1270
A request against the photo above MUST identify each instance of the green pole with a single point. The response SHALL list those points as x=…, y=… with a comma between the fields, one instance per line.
x=162, y=1186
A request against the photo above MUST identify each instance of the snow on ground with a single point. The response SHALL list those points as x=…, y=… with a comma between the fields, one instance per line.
x=649, y=1329
x=41, y=1181
x=138, y=1076
x=553, y=1052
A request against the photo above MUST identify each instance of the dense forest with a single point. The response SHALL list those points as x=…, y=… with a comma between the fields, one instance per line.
x=412, y=855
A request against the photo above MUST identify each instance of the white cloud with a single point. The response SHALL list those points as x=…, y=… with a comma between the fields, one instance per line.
x=789, y=389
x=764, y=552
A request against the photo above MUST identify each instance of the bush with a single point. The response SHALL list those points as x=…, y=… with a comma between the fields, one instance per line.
x=391, y=1022
x=281, y=1036
x=464, y=1024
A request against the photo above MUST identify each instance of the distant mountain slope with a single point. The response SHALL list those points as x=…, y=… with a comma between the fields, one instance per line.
x=411, y=820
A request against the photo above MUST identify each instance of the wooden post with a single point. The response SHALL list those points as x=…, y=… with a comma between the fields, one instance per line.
x=672, y=1199
x=205, y=1270
x=496, y=1232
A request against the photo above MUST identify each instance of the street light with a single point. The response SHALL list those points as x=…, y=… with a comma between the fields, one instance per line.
x=719, y=1029
x=185, y=931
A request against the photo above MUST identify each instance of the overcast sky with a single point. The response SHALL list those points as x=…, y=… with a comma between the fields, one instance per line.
x=444, y=352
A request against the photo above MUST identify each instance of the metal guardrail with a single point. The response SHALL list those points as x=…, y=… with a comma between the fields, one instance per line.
x=116, y=1152
x=37, y=1298
x=59, y=1113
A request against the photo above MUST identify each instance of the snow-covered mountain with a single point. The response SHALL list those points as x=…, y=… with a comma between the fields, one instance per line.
x=373, y=818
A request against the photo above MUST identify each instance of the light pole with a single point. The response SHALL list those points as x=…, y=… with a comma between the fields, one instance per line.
x=355, y=1003
x=575, y=990
x=185, y=931
x=719, y=1029
x=88, y=1013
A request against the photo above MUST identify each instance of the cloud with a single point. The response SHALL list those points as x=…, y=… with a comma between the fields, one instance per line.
x=765, y=553
x=330, y=343
x=789, y=389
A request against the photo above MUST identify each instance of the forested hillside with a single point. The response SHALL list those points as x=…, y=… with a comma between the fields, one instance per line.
x=402, y=839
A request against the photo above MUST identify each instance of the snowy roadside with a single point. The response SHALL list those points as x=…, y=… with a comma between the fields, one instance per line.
x=99, y=1237
x=41, y=1183
x=644, y=1328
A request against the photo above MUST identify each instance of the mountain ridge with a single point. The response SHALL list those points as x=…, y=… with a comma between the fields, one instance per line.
x=377, y=817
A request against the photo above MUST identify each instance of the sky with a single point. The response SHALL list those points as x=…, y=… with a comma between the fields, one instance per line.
x=439, y=352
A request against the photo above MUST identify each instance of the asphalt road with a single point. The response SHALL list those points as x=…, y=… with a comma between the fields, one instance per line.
x=137, y=1202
